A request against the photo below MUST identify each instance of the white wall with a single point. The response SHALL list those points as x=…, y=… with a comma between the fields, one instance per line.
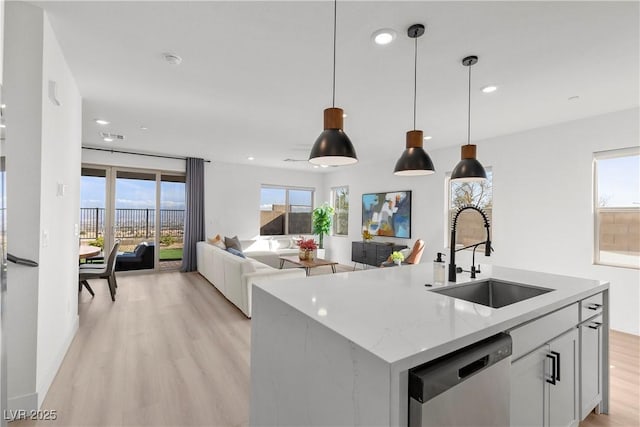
x=543, y=216
x=23, y=96
x=59, y=214
x=43, y=150
x=232, y=195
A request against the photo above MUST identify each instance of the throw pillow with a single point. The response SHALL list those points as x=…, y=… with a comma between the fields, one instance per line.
x=236, y=252
x=233, y=242
x=217, y=241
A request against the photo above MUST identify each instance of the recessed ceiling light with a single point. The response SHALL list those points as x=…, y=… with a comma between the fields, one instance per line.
x=489, y=89
x=316, y=166
x=322, y=312
x=108, y=139
x=2, y=125
x=344, y=115
x=250, y=158
x=324, y=166
x=573, y=98
x=144, y=128
x=428, y=137
x=172, y=58
x=383, y=36
x=102, y=122
x=3, y=106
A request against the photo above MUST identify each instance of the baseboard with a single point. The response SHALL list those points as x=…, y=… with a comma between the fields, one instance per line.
x=26, y=402
x=50, y=373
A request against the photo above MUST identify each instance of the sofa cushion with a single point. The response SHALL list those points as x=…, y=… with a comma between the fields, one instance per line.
x=276, y=244
x=236, y=252
x=233, y=242
x=255, y=245
x=217, y=241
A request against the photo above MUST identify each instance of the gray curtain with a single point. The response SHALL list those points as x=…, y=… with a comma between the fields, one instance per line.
x=194, y=215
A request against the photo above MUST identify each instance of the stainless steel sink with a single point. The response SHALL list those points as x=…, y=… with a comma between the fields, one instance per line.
x=492, y=293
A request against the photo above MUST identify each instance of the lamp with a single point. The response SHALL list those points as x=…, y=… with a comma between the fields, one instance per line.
x=333, y=147
x=414, y=160
x=469, y=169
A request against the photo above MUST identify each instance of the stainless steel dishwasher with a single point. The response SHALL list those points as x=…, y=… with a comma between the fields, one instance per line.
x=469, y=387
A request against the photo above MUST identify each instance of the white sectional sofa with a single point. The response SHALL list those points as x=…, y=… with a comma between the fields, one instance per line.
x=234, y=276
x=268, y=251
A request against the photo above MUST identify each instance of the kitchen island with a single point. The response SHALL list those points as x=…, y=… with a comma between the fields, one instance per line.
x=336, y=350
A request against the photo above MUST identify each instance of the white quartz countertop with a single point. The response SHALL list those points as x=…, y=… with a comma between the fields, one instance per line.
x=391, y=313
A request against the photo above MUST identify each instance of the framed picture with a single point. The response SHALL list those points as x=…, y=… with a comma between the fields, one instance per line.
x=387, y=214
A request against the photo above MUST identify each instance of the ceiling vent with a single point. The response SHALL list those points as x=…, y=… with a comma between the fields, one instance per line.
x=113, y=136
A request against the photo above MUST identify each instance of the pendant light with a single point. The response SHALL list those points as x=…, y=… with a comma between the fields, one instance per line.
x=414, y=160
x=333, y=147
x=469, y=169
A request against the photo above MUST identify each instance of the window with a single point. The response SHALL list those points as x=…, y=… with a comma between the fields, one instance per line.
x=340, y=203
x=285, y=210
x=617, y=207
x=470, y=228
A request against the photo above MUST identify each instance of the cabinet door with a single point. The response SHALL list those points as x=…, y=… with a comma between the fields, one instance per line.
x=529, y=398
x=382, y=253
x=563, y=394
x=370, y=254
x=357, y=252
x=590, y=361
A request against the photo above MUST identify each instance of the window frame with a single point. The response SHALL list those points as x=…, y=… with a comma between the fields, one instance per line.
x=447, y=204
x=596, y=209
x=333, y=205
x=287, y=188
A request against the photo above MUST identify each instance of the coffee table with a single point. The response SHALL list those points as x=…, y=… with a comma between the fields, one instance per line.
x=306, y=264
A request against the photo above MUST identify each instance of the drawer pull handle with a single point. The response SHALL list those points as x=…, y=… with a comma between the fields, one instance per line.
x=555, y=353
x=553, y=368
x=594, y=306
x=595, y=325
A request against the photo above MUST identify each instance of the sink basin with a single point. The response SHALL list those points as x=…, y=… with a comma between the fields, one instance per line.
x=492, y=293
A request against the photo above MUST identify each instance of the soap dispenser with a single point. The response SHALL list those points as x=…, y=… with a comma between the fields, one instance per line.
x=439, y=270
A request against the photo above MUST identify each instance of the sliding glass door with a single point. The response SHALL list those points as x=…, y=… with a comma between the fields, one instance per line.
x=143, y=209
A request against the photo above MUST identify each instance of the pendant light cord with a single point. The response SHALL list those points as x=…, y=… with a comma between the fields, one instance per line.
x=335, y=20
x=415, y=81
x=469, y=111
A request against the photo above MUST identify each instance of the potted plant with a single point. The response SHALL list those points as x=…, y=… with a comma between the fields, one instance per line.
x=321, y=221
x=307, y=246
x=397, y=257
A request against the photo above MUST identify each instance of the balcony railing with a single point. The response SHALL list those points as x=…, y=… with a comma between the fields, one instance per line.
x=132, y=223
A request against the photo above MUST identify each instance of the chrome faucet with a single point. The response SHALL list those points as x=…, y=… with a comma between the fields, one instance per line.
x=486, y=243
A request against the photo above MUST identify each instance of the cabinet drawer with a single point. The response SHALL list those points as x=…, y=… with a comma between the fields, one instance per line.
x=537, y=332
x=590, y=307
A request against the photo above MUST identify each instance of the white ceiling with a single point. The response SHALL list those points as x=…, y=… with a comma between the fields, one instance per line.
x=256, y=76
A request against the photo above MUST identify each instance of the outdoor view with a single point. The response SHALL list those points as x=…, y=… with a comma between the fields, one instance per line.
x=134, y=218
x=285, y=211
x=618, y=210
x=470, y=228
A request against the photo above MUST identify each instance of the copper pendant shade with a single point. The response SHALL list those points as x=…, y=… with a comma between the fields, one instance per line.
x=414, y=161
x=333, y=147
x=469, y=168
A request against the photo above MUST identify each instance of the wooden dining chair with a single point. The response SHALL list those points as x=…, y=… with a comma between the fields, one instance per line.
x=100, y=271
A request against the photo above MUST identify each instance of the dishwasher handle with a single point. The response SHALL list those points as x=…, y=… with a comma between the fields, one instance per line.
x=435, y=377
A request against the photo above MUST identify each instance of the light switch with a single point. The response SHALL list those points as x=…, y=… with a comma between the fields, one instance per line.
x=45, y=238
x=62, y=188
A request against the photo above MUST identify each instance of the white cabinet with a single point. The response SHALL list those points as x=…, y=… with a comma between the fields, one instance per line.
x=590, y=365
x=544, y=384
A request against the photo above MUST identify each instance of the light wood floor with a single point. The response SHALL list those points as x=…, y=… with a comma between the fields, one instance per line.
x=172, y=351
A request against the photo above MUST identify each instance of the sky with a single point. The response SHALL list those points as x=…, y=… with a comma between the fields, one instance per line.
x=270, y=196
x=131, y=194
x=619, y=181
